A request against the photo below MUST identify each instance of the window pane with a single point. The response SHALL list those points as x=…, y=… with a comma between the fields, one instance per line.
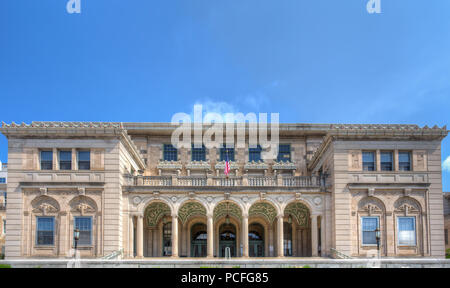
x=226, y=152
x=84, y=160
x=404, y=161
x=46, y=160
x=284, y=153
x=368, y=161
x=198, y=154
x=170, y=153
x=369, y=225
x=65, y=160
x=45, y=226
x=84, y=224
x=406, y=231
x=386, y=160
x=254, y=154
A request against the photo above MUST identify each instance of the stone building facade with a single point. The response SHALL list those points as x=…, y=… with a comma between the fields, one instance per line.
x=331, y=188
x=3, y=201
x=447, y=220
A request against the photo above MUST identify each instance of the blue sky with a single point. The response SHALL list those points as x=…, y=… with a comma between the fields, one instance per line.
x=318, y=61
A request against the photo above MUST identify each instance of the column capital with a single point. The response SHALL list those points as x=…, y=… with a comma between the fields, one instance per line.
x=280, y=215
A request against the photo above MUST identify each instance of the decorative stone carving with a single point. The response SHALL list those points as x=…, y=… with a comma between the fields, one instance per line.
x=284, y=166
x=155, y=212
x=45, y=205
x=169, y=165
x=137, y=200
x=407, y=205
x=230, y=208
x=43, y=191
x=221, y=165
x=317, y=201
x=189, y=210
x=83, y=205
x=263, y=209
x=370, y=205
x=174, y=199
x=81, y=191
x=198, y=165
x=256, y=166
x=299, y=211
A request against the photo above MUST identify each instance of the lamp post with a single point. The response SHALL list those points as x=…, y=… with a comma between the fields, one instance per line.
x=377, y=236
x=76, y=237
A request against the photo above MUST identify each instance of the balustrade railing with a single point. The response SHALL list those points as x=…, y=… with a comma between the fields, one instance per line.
x=262, y=181
x=232, y=181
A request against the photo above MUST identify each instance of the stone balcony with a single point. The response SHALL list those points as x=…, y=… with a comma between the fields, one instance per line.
x=231, y=181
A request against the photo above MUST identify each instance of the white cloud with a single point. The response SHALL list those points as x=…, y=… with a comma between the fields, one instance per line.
x=446, y=164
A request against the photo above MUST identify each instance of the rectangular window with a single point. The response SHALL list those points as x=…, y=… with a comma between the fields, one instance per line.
x=386, y=161
x=84, y=160
x=84, y=224
x=404, y=161
x=45, y=231
x=2, y=180
x=5, y=198
x=368, y=161
x=4, y=227
x=226, y=153
x=65, y=160
x=170, y=153
x=254, y=154
x=369, y=225
x=445, y=236
x=46, y=160
x=284, y=153
x=198, y=154
x=406, y=231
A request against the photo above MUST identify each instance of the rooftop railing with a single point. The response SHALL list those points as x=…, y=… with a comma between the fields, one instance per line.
x=231, y=181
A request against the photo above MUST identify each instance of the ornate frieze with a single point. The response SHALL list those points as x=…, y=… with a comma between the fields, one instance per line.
x=189, y=210
x=263, y=209
x=169, y=165
x=155, y=212
x=260, y=165
x=299, y=211
x=284, y=166
x=198, y=165
x=227, y=208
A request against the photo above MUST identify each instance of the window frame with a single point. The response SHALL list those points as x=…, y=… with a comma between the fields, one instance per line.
x=65, y=161
x=252, y=151
x=174, y=152
x=374, y=160
x=398, y=231
x=284, y=153
x=2, y=180
x=231, y=152
x=198, y=150
x=83, y=161
x=362, y=230
x=53, y=231
x=392, y=160
x=41, y=161
x=410, y=161
x=75, y=218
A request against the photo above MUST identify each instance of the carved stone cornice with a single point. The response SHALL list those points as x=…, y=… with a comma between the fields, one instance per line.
x=260, y=165
x=169, y=165
x=221, y=165
x=198, y=165
x=284, y=166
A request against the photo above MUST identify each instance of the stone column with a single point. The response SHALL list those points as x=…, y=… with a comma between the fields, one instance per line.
x=210, y=240
x=245, y=235
x=323, y=247
x=280, y=242
x=131, y=238
x=140, y=236
x=174, y=236
x=314, y=251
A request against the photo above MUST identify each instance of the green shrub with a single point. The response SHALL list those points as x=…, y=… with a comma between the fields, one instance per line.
x=447, y=253
x=5, y=266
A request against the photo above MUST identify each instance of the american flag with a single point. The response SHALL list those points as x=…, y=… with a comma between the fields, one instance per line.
x=227, y=166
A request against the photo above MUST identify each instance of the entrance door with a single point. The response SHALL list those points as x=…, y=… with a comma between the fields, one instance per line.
x=199, y=238
x=227, y=239
x=256, y=240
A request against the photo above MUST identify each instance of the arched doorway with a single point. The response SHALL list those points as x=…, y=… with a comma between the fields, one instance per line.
x=297, y=230
x=227, y=239
x=287, y=238
x=256, y=240
x=199, y=239
x=167, y=239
